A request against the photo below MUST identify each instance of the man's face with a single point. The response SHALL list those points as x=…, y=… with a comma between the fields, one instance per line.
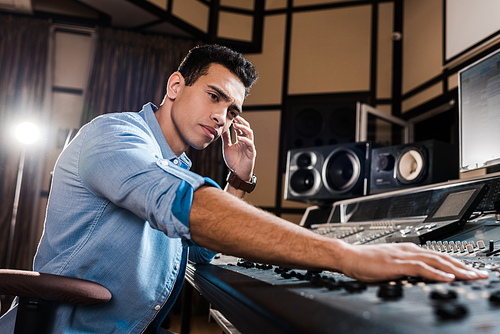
x=203, y=111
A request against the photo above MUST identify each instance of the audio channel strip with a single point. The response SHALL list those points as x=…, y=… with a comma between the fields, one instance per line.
x=286, y=300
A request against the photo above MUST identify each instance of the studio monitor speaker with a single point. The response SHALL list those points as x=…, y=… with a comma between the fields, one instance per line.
x=320, y=123
x=325, y=174
x=410, y=165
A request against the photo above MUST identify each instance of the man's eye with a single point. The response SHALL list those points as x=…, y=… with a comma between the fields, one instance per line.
x=213, y=96
x=233, y=114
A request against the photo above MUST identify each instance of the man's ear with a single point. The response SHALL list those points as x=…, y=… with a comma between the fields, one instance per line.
x=174, y=85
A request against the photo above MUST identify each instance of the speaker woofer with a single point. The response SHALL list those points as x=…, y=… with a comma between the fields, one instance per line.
x=410, y=166
x=308, y=123
x=341, y=171
x=302, y=181
x=342, y=122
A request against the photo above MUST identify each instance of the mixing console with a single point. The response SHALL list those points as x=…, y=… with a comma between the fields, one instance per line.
x=264, y=298
x=329, y=302
x=408, y=305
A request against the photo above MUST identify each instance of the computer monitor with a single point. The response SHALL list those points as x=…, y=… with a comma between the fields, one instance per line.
x=479, y=113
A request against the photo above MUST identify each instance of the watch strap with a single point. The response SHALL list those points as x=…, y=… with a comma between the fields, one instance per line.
x=234, y=180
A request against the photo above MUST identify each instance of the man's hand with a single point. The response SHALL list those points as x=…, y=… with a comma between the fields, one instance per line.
x=389, y=261
x=240, y=155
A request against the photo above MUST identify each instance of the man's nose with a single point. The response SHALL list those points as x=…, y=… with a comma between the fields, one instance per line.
x=219, y=117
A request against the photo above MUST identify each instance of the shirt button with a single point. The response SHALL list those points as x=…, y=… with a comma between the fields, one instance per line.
x=176, y=161
x=157, y=307
x=164, y=162
x=176, y=267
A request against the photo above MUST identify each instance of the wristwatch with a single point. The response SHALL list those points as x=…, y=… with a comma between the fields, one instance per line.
x=236, y=182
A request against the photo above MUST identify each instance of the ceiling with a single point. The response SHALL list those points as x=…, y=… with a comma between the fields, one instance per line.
x=143, y=16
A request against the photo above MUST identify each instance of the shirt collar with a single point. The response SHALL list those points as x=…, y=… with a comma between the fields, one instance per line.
x=148, y=113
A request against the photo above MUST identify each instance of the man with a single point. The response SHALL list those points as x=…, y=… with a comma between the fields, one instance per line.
x=124, y=209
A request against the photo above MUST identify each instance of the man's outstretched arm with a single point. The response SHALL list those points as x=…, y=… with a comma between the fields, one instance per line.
x=225, y=224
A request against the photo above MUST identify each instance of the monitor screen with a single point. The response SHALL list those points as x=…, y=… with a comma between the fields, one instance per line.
x=479, y=113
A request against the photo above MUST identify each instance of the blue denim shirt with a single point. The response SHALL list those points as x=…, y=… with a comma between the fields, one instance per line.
x=118, y=215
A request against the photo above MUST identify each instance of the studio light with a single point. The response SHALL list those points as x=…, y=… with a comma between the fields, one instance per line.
x=27, y=133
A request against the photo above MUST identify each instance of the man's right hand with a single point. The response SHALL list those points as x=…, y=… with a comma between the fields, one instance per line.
x=390, y=261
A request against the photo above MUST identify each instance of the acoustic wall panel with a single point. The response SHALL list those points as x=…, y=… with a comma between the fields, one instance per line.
x=330, y=50
x=266, y=129
x=269, y=63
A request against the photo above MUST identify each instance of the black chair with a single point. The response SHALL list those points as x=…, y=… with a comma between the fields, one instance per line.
x=39, y=294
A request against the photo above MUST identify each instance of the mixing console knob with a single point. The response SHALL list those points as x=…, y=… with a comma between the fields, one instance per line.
x=451, y=311
x=461, y=248
x=470, y=249
x=443, y=295
x=495, y=297
x=317, y=280
x=473, y=244
x=451, y=246
x=480, y=244
x=390, y=292
x=355, y=286
x=245, y=264
x=429, y=244
x=280, y=270
x=288, y=274
x=333, y=285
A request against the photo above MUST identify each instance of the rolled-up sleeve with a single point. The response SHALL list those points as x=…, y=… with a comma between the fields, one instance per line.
x=121, y=162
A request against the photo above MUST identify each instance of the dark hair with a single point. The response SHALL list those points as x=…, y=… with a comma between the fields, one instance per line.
x=199, y=59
